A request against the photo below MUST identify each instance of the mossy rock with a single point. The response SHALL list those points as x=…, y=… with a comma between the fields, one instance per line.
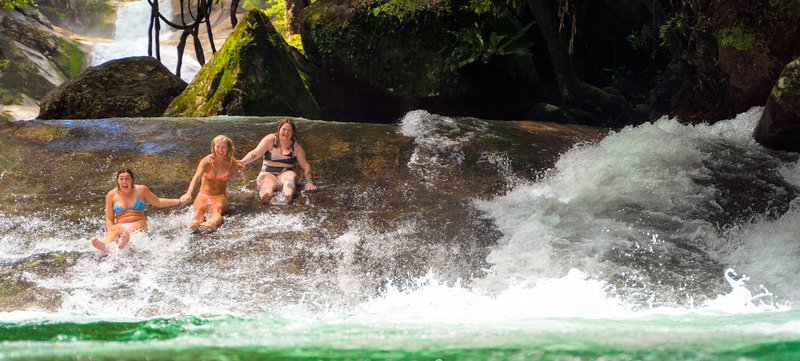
x=406, y=55
x=24, y=38
x=779, y=126
x=255, y=73
x=396, y=52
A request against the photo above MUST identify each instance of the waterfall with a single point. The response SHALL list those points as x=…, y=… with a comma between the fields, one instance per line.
x=130, y=39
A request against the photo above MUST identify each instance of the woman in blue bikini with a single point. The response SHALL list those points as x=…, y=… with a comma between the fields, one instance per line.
x=125, y=210
x=281, y=152
x=213, y=173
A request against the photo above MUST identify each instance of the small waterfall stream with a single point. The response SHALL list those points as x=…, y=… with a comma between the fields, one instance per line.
x=130, y=39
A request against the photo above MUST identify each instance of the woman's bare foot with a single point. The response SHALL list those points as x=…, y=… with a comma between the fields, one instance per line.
x=209, y=226
x=206, y=227
x=123, y=240
x=97, y=243
x=194, y=226
x=288, y=198
x=264, y=197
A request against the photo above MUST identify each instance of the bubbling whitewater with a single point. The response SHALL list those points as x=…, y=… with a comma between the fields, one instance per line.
x=660, y=241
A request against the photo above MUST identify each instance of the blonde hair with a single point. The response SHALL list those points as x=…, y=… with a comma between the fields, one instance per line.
x=231, y=147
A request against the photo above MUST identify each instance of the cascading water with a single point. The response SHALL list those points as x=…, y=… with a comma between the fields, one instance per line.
x=635, y=246
x=130, y=39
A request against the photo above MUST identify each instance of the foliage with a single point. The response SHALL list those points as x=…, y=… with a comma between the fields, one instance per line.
x=403, y=8
x=255, y=4
x=295, y=41
x=11, y=4
x=472, y=44
x=275, y=10
x=692, y=81
x=786, y=5
x=736, y=38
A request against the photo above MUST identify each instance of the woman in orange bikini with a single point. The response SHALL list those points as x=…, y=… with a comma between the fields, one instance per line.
x=125, y=210
x=213, y=173
x=281, y=152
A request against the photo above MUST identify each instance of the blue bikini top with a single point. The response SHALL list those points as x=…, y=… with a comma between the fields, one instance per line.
x=137, y=206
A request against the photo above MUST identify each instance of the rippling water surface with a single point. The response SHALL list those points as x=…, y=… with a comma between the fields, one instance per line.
x=657, y=242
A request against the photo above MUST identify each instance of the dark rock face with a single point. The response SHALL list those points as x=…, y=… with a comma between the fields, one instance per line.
x=255, y=73
x=755, y=42
x=779, y=126
x=376, y=64
x=129, y=87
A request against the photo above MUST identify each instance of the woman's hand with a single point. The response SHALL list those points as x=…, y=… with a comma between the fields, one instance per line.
x=310, y=186
x=185, y=199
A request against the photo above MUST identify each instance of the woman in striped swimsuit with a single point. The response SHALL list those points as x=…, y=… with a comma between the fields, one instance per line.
x=281, y=152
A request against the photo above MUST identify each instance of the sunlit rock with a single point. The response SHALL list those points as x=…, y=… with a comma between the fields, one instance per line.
x=254, y=73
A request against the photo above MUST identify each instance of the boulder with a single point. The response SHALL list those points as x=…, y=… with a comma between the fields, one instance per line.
x=254, y=73
x=128, y=87
x=779, y=126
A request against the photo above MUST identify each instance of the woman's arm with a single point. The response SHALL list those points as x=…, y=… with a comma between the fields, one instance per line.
x=263, y=146
x=201, y=168
x=151, y=198
x=110, y=209
x=301, y=158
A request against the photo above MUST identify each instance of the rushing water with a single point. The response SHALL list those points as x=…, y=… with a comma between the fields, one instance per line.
x=659, y=242
x=130, y=39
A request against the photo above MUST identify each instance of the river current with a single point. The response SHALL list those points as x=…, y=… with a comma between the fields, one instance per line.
x=661, y=241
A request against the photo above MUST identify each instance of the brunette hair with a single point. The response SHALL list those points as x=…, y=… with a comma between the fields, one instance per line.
x=287, y=121
x=124, y=170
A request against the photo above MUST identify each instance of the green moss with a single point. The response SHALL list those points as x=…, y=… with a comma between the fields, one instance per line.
x=295, y=41
x=790, y=77
x=71, y=59
x=11, y=4
x=736, y=38
x=242, y=79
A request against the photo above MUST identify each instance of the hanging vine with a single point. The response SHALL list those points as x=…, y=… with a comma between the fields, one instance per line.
x=198, y=16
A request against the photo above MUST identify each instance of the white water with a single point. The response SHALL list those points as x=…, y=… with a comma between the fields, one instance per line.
x=130, y=39
x=530, y=277
x=652, y=164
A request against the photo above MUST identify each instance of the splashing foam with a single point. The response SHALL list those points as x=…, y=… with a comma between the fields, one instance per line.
x=438, y=142
x=575, y=295
x=596, y=199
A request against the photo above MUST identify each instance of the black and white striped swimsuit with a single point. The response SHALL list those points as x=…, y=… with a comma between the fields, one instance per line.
x=278, y=163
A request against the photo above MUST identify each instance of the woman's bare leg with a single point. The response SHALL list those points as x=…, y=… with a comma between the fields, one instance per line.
x=200, y=207
x=267, y=183
x=109, y=237
x=218, y=206
x=288, y=178
x=126, y=236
